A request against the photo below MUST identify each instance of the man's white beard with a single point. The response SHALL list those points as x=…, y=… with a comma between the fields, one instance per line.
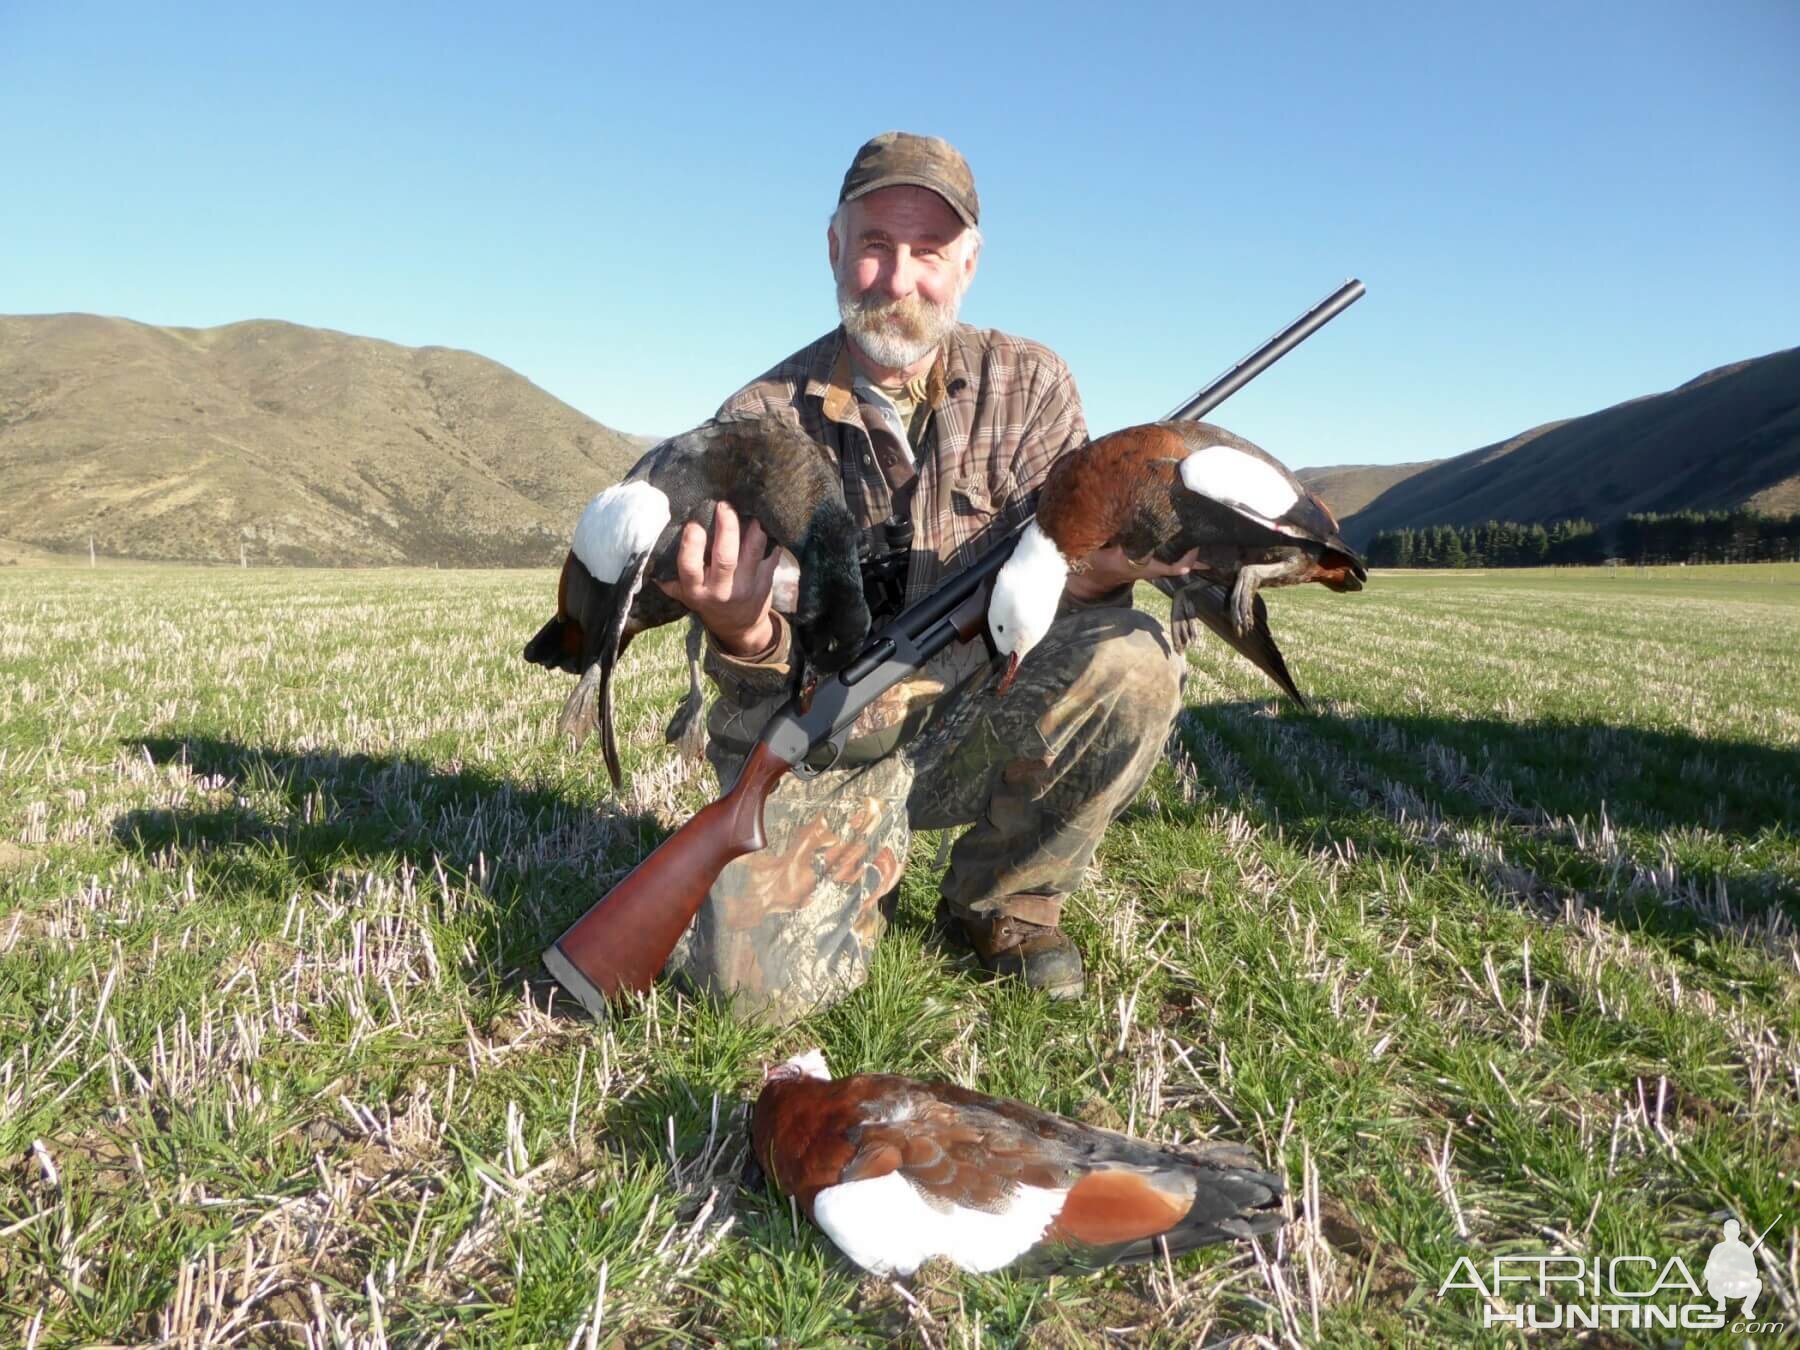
x=896, y=333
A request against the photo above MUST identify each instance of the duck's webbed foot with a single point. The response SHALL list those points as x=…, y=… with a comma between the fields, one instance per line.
x=580, y=715
x=1251, y=578
x=687, y=728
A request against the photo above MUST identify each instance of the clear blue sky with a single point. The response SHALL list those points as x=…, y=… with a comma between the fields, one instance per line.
x=1554, y=206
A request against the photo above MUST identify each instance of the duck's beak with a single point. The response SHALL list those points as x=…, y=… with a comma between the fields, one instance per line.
x=1012, y=671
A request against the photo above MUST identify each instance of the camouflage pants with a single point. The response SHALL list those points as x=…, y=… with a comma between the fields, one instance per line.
x=1037, y=775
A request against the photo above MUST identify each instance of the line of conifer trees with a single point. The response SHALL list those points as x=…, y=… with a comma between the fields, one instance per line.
x=1675, y=537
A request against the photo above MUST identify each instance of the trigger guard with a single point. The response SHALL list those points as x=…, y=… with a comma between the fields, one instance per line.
x=824, y=756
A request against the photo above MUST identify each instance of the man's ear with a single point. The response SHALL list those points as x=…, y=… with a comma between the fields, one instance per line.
x=970, y=262
x=831, y=247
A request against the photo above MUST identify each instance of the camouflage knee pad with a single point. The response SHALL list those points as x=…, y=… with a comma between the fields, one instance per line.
x=1038, y=775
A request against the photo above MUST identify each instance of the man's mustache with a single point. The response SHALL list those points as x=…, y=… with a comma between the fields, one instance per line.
x=912, y=312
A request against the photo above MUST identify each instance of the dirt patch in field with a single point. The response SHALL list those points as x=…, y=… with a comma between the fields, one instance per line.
x=1126, y=1315
x=24, y=926
x=1376, y=1266
x=102, y=1160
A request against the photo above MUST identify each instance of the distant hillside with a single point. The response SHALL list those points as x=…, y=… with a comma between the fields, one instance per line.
x=1348, y=488
x=1730, y=437
x=301, y=445
x=11, y=552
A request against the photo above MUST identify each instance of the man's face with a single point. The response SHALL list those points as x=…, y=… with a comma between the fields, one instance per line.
x=901, y=270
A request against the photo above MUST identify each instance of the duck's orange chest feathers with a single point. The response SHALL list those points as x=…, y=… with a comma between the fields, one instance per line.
x=811, y=1120
x=573, y=636
x=1092, y=494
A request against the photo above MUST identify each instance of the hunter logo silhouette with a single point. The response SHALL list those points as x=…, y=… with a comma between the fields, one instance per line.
x=1730, y=1272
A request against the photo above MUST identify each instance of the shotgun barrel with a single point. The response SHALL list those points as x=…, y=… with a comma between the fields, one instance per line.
x=1227, y=384
x=624, y=940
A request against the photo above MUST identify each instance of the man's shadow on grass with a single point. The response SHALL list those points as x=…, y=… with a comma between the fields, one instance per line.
x=540, y=859
x=1583, y=806
x=276, y=818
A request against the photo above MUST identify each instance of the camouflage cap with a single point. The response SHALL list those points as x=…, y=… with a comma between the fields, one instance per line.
x=899, y=158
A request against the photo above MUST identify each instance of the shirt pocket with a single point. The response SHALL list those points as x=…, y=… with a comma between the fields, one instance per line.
x=971, y=501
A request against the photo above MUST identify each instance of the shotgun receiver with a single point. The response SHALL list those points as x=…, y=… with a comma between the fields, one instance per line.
x=623, y=942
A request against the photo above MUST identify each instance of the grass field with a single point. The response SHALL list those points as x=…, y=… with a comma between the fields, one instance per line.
x=1494, y=954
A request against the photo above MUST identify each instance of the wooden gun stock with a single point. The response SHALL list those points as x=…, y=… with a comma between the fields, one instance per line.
x=622, y=943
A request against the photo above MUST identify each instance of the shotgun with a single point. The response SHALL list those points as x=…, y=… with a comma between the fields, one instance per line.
x=622, y=943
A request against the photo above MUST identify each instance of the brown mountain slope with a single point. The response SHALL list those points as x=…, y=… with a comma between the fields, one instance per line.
x=1348, y=488
x=298, y=444
x=1726, y=438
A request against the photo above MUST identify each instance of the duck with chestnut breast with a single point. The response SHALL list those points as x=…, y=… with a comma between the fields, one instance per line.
x=898, y=1171
x=766, y=469
x=1174, y=491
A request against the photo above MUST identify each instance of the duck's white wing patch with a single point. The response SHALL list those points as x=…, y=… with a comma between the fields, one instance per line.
x=620, y=524
x=1240, y=480
x=884, y=1225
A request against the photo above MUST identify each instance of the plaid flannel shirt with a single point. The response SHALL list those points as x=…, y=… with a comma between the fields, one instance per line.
x=1003, y=409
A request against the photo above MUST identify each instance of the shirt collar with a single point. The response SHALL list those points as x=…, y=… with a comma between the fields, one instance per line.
x=831, y=379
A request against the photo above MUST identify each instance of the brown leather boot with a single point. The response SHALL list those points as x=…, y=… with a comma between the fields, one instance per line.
x=1040, y=954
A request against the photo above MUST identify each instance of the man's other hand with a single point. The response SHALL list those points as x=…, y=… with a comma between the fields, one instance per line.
x=731, y=590
x=1108, y=569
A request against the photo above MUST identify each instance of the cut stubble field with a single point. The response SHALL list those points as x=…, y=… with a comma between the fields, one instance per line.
x=1492, y=953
